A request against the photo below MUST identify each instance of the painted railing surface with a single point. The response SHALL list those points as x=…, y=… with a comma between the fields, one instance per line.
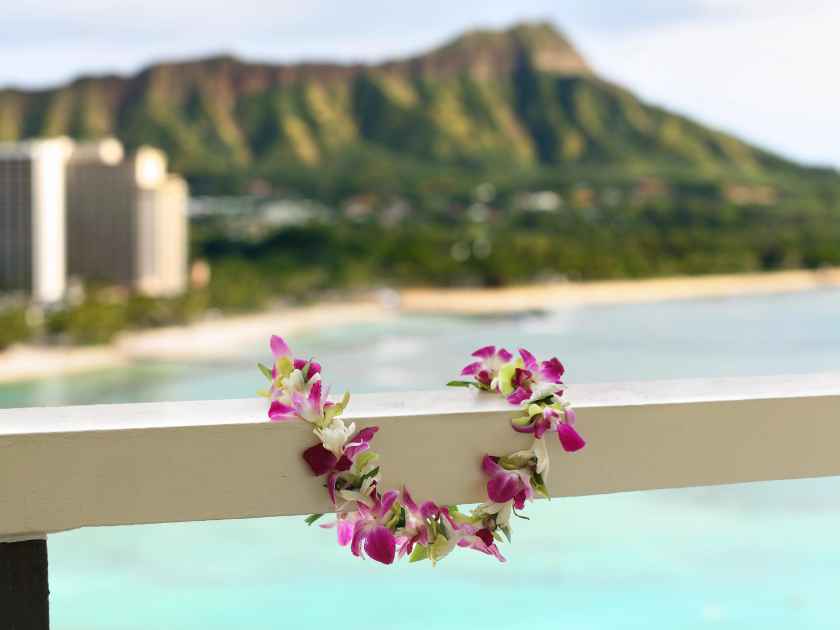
x=68, y=467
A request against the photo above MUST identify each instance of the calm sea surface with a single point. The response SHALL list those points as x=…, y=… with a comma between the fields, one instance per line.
x=751, y=556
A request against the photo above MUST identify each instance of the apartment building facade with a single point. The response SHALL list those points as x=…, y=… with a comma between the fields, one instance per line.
x=33, y=218
x=94, y=214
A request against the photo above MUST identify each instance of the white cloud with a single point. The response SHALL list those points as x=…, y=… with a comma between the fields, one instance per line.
x=769, y=78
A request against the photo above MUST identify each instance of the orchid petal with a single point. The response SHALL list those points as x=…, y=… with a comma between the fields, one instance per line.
x=494, y=551
x=280, y=411
x=353, y=449
x=529, y=359
x=552, y=370
x=345, y=532
x=471, y=369
x=360, y=442
x=490, y=466
x=504, y=355
x=344, y=463
x=506, y=375
x=503, y=486
x=279, y=347
x=320, y=460
x=315, y=394
x=523, y=427
x=519, y=395
x=429, y=509
x=387, y=502
x=485, y=353
x=486, y=536
x=358, y=537
x=520, y=376
x=406, y=547
x=408, y=500
x=569, y=437
x=365, y=435
x=541, y=425
x=381, y=545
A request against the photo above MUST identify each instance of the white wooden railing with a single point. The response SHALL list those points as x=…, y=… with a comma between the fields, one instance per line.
x=68, y=467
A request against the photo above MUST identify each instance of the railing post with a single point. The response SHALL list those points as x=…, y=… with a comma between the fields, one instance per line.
x=24, y=590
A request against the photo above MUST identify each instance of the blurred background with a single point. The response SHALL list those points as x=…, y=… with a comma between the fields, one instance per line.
x=648, y=190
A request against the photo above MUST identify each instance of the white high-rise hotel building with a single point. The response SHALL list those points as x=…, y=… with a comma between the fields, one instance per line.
x=85, y=210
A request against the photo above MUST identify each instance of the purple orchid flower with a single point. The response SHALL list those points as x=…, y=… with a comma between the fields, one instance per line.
x=297, y=378
x=533, y=381
x=469, y=535
x=486, y=369
x=416, y=529
x=322, y=461
x=557, y=417
x=506, y=485
x=551, y=371
x=539, y=424
x=280, y=349
x=311, y=407
x=482, y=540
x=313, y=367
x=370, y=531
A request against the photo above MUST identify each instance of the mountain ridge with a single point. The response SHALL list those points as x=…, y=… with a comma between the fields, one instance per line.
x=488, y=100
x=479, y=38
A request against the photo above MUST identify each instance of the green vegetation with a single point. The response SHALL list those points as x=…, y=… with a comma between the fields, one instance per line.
x=579, y=244
x=104, y=314
x=13, y=327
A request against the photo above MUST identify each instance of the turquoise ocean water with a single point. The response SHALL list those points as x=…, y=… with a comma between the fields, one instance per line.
x=750, y=556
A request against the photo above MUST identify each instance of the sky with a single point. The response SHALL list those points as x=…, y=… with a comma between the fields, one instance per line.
x=762, y=69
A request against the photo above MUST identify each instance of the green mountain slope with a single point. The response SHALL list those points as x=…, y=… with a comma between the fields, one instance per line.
x=515, y=101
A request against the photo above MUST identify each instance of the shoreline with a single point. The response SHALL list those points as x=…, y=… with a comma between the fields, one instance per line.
x=556, y=295
x=221, y=338
x=206, y=340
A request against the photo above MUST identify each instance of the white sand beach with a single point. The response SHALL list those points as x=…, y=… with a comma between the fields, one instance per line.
x=203, y=341
x=224, y=337
x=552, y=296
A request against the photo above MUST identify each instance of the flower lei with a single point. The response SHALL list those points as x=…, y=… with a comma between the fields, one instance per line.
x=385, y=524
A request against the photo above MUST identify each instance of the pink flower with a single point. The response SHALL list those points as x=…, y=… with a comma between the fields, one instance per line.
x=557, y=417
x=539, y=423
x=280, y=349
x=416, y=528
x=482, y=541
x=505, y=485
x=470, y=536
x=486, y=369
x=322, y=461
x=310, y=407
x=534, y=381
x=550, y=371
x=370, y=532
x=292, y=382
